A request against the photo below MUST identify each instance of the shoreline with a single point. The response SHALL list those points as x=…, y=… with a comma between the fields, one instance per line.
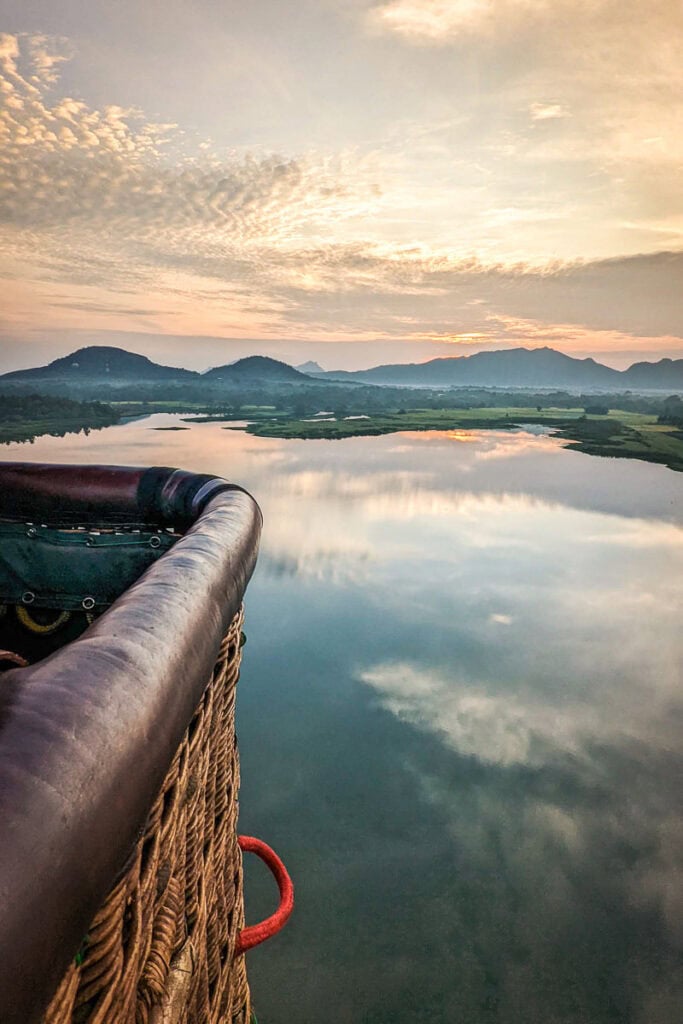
x=618, y=434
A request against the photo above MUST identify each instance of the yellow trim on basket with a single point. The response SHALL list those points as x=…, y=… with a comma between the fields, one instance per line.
x=27, y=620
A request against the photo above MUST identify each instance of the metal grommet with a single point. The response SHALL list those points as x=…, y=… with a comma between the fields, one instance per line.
x=31, y=532
x=88, y=603
x=28, y=597
x=154, y=542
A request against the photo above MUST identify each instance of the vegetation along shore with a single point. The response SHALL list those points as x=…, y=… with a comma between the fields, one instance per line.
x=271, y=399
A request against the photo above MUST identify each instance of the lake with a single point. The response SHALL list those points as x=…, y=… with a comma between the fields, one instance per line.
x=460, y=722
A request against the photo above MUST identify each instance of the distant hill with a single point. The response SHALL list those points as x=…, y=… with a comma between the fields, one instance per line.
x=254, y=369
x=101, y=363
x=517, y=367
x=309, y=367
x=667, y=373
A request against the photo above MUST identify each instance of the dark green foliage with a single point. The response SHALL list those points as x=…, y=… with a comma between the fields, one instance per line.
x=15, y=408
x=672, y=411
x=25, y=416
x=596, y=410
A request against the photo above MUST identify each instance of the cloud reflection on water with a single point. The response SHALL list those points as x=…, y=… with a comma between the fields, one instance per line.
x=464, y=670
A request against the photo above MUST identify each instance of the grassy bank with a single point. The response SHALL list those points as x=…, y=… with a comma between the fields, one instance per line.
x=618, y=434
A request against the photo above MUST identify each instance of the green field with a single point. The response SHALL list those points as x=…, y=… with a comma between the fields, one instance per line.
x=618, y=434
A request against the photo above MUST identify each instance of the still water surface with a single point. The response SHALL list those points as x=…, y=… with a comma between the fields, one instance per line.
x=460, y=722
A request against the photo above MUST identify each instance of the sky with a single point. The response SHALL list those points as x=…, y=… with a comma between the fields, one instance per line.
x=350, y=181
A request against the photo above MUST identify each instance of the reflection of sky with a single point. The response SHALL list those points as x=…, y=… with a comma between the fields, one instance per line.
x=460, y=720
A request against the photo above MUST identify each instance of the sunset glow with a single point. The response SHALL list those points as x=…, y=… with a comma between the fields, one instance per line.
x=361, y=182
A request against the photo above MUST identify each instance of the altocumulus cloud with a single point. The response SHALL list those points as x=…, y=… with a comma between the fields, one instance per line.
x=98, y=205
x=68, y=165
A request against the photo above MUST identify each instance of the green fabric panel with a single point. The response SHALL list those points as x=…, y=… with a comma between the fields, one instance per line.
x=62, y=568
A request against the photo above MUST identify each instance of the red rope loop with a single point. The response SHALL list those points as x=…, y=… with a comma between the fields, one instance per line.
x=255, y=934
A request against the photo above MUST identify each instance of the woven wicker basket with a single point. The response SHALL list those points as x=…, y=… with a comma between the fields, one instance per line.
x=161, y=948
x=121, y=869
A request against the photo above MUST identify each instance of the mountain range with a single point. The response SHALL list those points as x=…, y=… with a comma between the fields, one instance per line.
x=103, y=363
x=519, y=367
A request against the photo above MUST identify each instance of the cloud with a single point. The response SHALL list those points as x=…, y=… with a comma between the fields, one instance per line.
x=113, y=220
x=408, y=293
x=495, y=730
x=619, y=75
x=433, y=21
x=68, y=164
x=556, y=24
x=515, y=728
x=547, y=111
